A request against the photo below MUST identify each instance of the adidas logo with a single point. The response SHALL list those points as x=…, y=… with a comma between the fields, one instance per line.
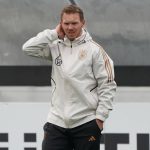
x=92, y=138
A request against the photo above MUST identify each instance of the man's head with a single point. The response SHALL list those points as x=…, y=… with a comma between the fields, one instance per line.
x=72, y=21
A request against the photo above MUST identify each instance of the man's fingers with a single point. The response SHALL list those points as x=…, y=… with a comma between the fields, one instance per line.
x=60, y=31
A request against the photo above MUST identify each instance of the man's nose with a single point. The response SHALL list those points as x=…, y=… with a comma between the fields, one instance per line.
x=70, y=26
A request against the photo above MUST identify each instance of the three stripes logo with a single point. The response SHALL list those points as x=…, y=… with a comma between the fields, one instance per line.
x=91, y=139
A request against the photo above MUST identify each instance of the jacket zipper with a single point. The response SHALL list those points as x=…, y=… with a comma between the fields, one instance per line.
x=71, y=46
x=93, y=88
x=53, y=90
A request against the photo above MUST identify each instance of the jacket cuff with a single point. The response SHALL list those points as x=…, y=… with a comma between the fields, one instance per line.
x=101, y=116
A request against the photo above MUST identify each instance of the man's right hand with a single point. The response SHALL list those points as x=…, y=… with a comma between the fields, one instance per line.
x=60, y=31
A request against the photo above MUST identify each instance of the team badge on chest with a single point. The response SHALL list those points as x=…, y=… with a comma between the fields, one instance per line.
x=82, y=54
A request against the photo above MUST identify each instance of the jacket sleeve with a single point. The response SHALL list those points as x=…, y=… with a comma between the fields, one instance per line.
x=106, y=86
x=38, y=45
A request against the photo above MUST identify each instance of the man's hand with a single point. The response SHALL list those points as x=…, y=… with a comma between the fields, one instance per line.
x=60, y=31
x=99, y=123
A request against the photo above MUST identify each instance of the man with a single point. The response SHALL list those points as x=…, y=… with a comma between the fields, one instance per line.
x=82, y=79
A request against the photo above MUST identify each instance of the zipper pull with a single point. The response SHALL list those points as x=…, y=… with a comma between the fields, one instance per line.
x=71, y=44
x=71, y=47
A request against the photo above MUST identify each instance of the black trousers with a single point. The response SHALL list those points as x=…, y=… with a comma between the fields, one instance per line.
x=83, y=137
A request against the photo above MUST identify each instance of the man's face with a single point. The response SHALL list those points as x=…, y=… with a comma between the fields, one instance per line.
x=72, y=25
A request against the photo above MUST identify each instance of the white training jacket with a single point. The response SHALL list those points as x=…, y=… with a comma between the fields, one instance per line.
x=82, y=79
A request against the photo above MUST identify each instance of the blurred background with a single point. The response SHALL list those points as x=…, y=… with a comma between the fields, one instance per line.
x=121, y=27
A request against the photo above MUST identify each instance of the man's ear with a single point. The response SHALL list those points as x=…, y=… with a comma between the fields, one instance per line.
x=83, y=22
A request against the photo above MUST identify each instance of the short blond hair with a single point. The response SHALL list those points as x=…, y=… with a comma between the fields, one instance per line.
x=71, y=9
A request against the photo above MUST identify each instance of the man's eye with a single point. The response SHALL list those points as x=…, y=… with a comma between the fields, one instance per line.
x=74, y=23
